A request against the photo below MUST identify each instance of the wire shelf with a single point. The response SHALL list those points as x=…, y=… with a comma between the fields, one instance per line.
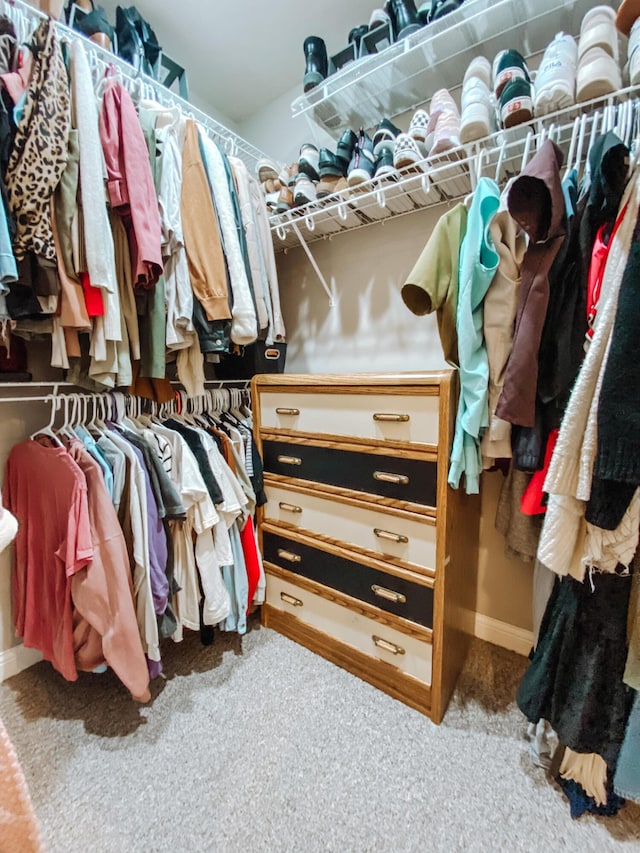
x=407, y=73
x=233, y=143
x=434, y=181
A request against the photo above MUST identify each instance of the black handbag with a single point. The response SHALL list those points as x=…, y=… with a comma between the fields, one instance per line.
x=137, y=42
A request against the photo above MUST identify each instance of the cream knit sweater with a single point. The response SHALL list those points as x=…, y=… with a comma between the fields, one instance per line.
x=563, y=543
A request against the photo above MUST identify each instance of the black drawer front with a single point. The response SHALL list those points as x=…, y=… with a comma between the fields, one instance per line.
x=349, y=469
x=352, y=578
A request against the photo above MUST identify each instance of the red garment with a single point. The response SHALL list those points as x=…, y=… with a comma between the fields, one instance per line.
x=599, y=257
x=531, y=503
x=130, y=183
x=250, y=551
x=92, y=296
x=47, y=492
x=103, y=591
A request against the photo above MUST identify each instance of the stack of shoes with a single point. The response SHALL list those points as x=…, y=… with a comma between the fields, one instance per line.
x=628, y=23
x=512, y=88
x=363, y=162
x=443, y=130
x=598, y=55
x=333, y=174
x=307, y=177
x=404, y=17
x=478, y=111
x=555, y=83
x=384, y=144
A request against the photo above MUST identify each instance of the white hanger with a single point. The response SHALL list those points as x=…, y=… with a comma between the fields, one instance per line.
x=48, y=429
x=500, y=159
x=572, y=146
x=527, y=149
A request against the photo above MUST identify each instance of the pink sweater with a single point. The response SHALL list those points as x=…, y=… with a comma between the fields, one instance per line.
x=130, y=183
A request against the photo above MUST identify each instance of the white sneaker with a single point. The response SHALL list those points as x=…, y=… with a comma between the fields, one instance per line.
x=406, y=152
x=308, y=160
x=447, y=133
x=479, y=67
x=598, y=75
x=555, y=83
x=599, y=30
x=478, y=114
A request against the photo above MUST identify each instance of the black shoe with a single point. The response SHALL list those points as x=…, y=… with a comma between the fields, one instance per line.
x=317, y=62
x=344, y=149
x=404, y=15
x=356, y=36
x=363, y=162
x=330, y=166
x=384, y=163
x=385, y=136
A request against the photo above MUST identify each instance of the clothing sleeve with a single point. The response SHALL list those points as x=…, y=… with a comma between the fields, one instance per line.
x=425, y=289
x=217, y=605
x=77, y=550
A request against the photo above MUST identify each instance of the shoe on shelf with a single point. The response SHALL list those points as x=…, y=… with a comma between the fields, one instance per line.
x=516, y=102
x=406, y=152
x=479, y=67
x=356, y=35
x=404, y=17
x=440, y=8
x=478, y=117
x=628, y=14
x=267, y=170
x=447, y=133
x=288, y=175
x=385, y=137
x=555, y=83
x=317, y=62
x=384, y=163
x=305, y=190
x=424, y=11
x=598, y=29
x=379, y=18
x=272, y=185
x=363, y=161
x=634, y=54
x=418, y=126
x=308, y=161
x=441, y=102
x=345, y=146
x=507, y=65
x=331, y=186
x=598, y=74
x=330, y=166
x=284, y=201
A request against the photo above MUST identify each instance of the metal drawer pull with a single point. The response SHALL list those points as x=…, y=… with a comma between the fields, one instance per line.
x=390, y=417
x=289, y=599
x=289, y=556
x=389, y=594
x=290, y=460
x=293, y=412
x=289, y=507
x=387, y=646
x=385, y=477
x=392, y=537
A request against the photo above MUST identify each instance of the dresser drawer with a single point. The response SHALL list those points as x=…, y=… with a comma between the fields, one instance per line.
x=409, y=654
x=411, y=480
x=382, y=417
x=399, y=539
x=388, y=592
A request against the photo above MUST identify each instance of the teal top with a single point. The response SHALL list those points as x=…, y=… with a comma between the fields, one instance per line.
x=477, y=266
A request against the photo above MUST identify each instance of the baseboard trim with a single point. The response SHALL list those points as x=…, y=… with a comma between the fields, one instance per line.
x=502, y=634
x=14, y=660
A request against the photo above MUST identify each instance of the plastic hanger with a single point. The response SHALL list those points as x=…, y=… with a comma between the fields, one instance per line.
x=56, y=404
x=572, y=147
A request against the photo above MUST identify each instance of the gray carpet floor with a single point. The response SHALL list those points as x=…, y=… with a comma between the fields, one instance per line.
x=259, y=745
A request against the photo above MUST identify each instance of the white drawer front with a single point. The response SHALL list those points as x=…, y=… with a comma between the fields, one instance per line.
x=395, y=539
x=408, y=654
x=397, y=417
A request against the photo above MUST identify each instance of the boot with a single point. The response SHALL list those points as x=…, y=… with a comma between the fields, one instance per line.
x=404, y=16
x=317, y=67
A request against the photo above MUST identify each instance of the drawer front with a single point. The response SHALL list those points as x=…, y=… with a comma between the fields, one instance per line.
x=392, y=594
x=410, y=480
x=409, y=654
x=384, y=417
x=400, y=540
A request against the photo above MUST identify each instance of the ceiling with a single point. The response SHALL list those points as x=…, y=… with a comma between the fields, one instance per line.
x=242, y=54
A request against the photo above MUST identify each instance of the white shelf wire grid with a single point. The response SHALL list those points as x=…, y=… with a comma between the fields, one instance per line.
x=437, y=180
x=407, y=73
x=26, y=18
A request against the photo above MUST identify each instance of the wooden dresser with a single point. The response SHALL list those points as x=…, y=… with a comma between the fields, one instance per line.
x=371, y=559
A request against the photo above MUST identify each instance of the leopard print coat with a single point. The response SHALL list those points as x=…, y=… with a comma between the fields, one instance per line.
x=39, y=153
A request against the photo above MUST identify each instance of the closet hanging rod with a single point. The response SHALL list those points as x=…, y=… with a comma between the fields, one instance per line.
x=220, y=383
x=162, y=94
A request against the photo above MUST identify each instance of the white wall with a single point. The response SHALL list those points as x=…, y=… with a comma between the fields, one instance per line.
x=371, y=330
